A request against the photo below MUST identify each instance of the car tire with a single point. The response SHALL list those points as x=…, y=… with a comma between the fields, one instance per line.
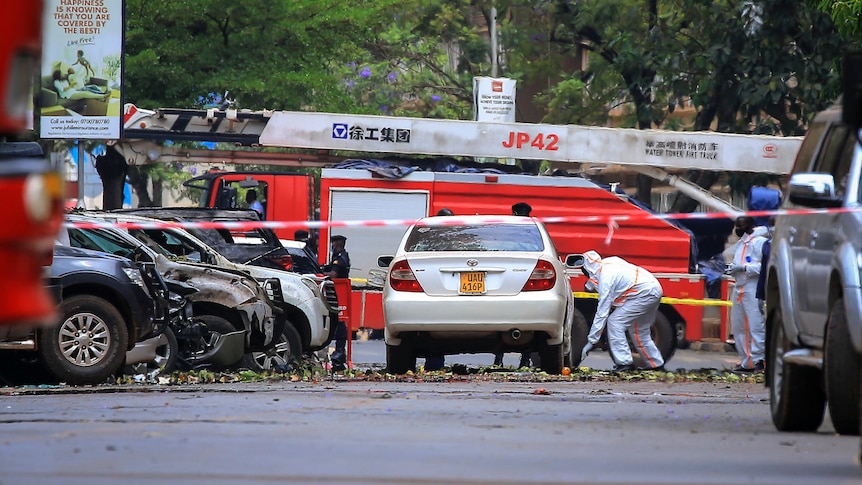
x=841, y=373
x=796, y=398
x=580, y=332
x=166, y=356
x=551, y=358
x=88, y=345
x=214, y=325
x=400, y=358
x=286, y=351
x=681, y=340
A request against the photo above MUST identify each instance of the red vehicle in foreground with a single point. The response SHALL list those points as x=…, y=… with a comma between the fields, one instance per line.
x=31, y=191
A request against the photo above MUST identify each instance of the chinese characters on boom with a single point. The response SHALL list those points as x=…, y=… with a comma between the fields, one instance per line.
x=385, y=135
x=682, y=149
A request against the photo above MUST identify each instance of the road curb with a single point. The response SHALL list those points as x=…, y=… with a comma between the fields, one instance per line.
x=716, y=346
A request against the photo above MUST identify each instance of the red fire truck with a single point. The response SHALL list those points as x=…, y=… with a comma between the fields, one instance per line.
x=31, y=192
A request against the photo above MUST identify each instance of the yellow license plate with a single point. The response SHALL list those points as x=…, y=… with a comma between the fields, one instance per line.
x=472, y=282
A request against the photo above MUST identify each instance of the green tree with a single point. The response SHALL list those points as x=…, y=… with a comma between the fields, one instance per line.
x=282, y=54
x=846, y=14
x=273, y=54
x=742, y=73
x=746, y=73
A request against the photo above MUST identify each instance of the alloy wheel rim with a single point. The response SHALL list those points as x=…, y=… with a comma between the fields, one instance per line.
x=84, y=339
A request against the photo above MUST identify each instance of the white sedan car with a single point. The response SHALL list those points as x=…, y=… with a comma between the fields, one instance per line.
x=476, y=284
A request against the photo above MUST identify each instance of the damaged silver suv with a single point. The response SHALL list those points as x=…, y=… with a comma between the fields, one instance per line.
x=813, y=294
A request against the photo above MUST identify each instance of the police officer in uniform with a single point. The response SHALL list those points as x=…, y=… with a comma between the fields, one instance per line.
x=520, y=209
x=339, y=267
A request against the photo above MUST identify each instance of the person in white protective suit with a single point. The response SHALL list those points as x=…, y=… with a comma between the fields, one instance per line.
x=746, y=320
x=635, y=294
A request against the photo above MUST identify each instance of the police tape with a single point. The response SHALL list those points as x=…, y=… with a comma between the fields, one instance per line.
x=249, y=225
x=668, y=300
x=595, y=296
x=613, y=221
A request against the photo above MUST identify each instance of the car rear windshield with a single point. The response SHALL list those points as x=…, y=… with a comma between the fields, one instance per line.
x=475, y=237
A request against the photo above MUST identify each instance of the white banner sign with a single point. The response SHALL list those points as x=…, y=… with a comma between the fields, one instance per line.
x=494, y=99
x=82, y=51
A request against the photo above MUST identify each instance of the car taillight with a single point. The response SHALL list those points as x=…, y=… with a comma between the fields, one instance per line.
x=43, y=195
x=284, y=260
x=543, y=277
x=401, y=278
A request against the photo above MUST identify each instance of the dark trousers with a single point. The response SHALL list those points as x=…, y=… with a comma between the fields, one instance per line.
x=340, y=335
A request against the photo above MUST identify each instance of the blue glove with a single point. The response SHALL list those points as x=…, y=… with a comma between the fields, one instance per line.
x=586, y=351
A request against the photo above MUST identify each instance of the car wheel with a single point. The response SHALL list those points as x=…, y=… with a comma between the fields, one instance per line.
x=841, y=373
x=287, y=350
x=681, y=340
x=796, y=399
x=580, y=332
x=663, y=335
x=167, y=352
x=214, y=326
x=166, y=356
x=400, y=358
x=89, y=344
x=551, y=358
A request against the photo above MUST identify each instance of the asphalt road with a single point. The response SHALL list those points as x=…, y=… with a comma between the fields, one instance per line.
x=470, y=431
x=496, y=428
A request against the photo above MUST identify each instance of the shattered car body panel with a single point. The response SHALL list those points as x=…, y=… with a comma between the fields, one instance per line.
x=228, y=294
x=230, y=289
x=308, y=301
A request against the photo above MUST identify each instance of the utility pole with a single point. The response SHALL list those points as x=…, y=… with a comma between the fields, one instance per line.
x=493, y=31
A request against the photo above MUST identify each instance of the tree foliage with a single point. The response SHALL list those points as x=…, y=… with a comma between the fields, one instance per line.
x=847, y=15
x=274, y=54
x=747, y=66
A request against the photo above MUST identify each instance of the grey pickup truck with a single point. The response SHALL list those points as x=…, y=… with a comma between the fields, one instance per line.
x=813, y=292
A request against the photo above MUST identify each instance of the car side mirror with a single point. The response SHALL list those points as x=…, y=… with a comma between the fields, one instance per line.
x=384, y=261
x=575, y=261
x=815, y=190
x=249, y=182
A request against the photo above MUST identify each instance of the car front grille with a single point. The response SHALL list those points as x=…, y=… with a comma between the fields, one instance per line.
x=327, y=289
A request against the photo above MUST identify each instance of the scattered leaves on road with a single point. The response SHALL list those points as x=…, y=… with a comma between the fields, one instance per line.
x=314, y=373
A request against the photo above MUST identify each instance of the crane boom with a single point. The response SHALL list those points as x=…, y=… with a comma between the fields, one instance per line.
x=564, y=143
x=403, y=135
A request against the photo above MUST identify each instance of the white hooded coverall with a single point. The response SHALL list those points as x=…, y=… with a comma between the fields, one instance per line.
x=747, y=325
x=635, y=294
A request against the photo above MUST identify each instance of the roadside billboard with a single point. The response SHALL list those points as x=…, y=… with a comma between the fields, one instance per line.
x=79, y=93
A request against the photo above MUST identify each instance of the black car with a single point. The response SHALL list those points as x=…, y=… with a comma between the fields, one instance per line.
x=104, y=309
